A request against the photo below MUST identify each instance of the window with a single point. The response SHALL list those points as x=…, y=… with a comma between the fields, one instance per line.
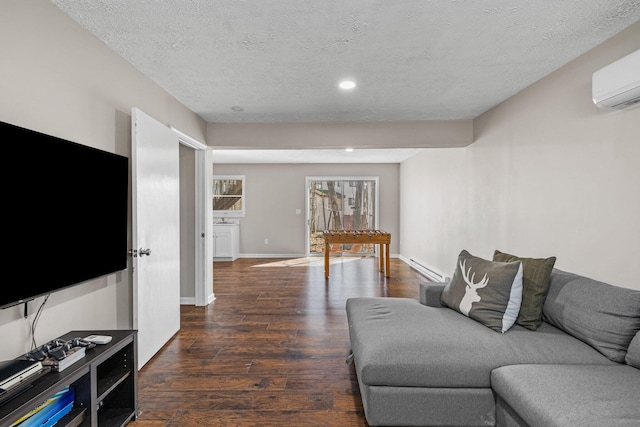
x=228, y=195
x=341, y=203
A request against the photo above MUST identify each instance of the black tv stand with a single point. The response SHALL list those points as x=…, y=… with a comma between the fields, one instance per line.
x=105, y=383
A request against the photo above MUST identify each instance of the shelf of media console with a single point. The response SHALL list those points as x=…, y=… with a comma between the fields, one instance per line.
x=111, y=381
x=91, y=388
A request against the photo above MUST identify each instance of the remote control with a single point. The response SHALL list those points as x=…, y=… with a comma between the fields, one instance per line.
x=98, y=339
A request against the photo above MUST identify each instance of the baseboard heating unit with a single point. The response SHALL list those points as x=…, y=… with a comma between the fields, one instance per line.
x=425, y=271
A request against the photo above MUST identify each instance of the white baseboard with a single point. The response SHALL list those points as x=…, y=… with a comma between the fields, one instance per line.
x=192, y=300
x=422, y=268
x=187, y=300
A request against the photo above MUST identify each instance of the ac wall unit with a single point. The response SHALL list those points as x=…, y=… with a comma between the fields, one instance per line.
x=617, y=85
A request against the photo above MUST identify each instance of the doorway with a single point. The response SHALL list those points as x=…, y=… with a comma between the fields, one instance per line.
x=341, y=203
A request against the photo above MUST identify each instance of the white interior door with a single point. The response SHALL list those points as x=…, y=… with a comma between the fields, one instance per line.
x=156, y=234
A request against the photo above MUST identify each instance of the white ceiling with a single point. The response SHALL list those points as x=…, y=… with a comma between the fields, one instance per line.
x=269, y=61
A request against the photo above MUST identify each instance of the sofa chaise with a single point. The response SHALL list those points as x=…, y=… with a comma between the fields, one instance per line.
x=423, y=363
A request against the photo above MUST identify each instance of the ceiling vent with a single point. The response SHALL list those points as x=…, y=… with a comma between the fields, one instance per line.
x=617, y=85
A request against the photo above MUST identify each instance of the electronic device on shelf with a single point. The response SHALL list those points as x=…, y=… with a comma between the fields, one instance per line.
x=59, y=354
x=14, y=371
x=98, y=339
x=16, y=377
x=60, y=363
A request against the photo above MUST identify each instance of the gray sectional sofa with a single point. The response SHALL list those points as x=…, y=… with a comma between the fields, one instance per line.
x=423, y=364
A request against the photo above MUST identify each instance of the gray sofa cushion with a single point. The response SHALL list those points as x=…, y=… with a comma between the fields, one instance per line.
x=421, y=406
x=430, y=293
x=633, y=353
x=399, y=342
x=604, y=316
x=571, y=395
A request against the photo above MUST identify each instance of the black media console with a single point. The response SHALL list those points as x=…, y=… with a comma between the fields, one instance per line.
x=105, y=383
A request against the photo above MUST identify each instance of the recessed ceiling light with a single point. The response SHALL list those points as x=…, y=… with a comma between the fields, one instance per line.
x=347, y=84
x=348, y=149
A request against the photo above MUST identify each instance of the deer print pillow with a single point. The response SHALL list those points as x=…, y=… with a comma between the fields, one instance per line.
x=486, y=291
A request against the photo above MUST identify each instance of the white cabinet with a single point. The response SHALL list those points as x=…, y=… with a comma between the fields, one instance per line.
x=226, y=242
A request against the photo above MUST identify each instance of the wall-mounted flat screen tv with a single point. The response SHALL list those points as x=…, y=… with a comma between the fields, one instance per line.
x=65, y=213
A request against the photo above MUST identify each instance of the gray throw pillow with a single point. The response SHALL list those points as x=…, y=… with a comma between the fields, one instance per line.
x=633, y=352
x=535, y=285
x=486, y=291
x=604, y=316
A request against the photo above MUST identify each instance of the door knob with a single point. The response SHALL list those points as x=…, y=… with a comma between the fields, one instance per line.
x=143, y=252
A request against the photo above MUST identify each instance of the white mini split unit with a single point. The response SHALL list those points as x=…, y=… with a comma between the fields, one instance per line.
x=617, y=85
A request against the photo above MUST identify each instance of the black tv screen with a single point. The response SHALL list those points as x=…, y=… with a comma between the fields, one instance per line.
x=65, y=210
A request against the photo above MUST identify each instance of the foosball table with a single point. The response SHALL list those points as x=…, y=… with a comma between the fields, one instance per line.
x=375, y=237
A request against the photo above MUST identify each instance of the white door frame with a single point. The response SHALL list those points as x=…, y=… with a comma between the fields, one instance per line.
x=203, y=219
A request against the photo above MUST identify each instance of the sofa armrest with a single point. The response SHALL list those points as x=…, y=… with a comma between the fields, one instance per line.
x=430, y=293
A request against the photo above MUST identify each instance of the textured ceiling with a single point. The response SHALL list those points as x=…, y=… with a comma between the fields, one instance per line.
x=281, y=60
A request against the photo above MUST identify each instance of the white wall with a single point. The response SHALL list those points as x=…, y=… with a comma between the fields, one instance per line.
x=549, y=174
x=58, y=79
x=187, y=224
x=275, y=191
x=413, y=134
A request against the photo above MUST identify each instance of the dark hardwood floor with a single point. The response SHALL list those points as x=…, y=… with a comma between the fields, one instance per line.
x=270, y=351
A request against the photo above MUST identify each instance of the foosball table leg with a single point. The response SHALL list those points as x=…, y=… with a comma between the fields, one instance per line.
x=326, y=259
x=388, y=269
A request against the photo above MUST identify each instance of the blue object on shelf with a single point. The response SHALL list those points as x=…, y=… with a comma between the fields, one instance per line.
x=54, y=408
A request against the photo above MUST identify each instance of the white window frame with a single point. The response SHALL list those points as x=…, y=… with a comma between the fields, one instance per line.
x=229, y=213
x=349, y=178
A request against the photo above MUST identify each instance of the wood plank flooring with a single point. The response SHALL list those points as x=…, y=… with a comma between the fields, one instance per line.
x=270, y=351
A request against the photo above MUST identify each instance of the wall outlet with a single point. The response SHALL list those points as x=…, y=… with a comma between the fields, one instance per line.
x=266, y=241
x=298, y=211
